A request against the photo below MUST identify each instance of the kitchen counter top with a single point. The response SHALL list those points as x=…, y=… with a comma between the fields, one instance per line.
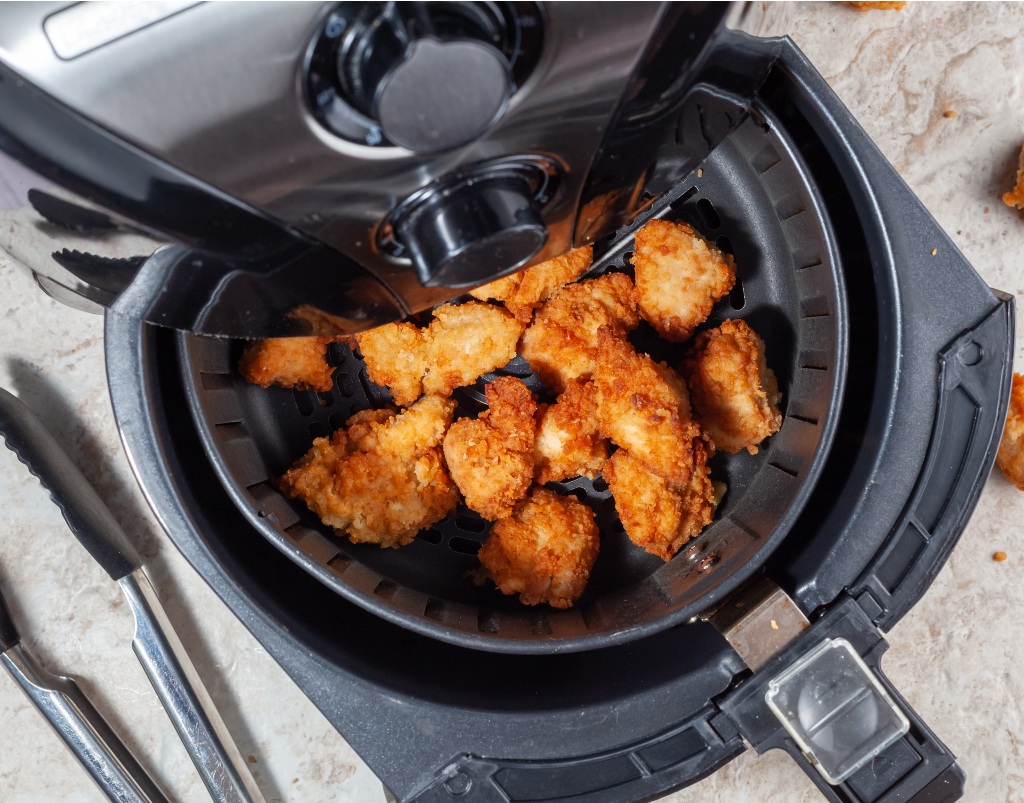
x=956, y=656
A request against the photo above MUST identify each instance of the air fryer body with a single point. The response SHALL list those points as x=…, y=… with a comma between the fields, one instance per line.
x=262, y=140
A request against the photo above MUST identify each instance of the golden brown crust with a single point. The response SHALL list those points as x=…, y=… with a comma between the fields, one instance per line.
x=1015, y=197
x=679, y=277
x=1010, y=457
x=288, y=362
x=491, y=457
x=568, y=442
x=383, y=479
x=465, y=341
x=396, y=357
x=543, y=552
x=735, y=395
x=525, y=291
x=561, y=344
x=642, y=407
x=657, y=516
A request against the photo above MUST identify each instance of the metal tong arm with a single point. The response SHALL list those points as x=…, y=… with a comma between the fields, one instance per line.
x=184, y=697
x=83, y=729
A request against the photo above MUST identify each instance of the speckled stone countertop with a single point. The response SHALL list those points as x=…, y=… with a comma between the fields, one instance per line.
x=956, y=657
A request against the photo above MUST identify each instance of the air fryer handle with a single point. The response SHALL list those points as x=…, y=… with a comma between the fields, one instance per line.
x=914, y=766
x=917, y=768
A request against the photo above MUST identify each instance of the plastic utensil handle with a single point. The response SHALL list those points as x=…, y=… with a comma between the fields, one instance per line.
x=86, y=514
x=184, y=697
x=82, y=728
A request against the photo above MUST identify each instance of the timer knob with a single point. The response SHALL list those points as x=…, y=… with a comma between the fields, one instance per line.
x=427, y=93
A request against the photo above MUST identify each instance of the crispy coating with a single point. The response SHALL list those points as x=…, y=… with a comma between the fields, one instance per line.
x=1015, y=197
x=568, y=442
x=735, y=395
x=543, y=552
x=642, y=407
x=525, y=291
x=288, y=362
x=561, y=344
x=396, y=357
x=656, y=515
x=462, y=343
x=491, y=457
x=679, y=277
x=381, y=480
x=1011, y=448
x=466, y=341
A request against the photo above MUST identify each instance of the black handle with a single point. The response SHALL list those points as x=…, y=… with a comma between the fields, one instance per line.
x=8, y=632
x=915, y=768
x=86, y=514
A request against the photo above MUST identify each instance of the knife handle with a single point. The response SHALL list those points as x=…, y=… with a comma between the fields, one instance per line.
x=82, y=728
x=86, y=514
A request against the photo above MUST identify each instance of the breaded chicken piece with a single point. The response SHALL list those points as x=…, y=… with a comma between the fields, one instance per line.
x=568, y=443
x=462, y=343
x=679, y=277
x=526, y=290
x=491, y=457
x=543, y=552
x=1015, y=197
x=561, y=344
x=288, y=362
x=381, y=480
x=656, y=515
x=735, y=395
x=466, y=341
x=396, y=357
x=642, y=406
x=1010, y=457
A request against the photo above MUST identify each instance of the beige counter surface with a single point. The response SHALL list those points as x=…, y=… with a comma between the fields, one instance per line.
x=957, y=656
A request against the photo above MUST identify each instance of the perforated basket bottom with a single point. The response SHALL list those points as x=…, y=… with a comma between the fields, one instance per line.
x=756, y=202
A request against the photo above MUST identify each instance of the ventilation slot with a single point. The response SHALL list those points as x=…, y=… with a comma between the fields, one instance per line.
x=708, y=214
x=789, y=207
x=765, y=160
x=385, y=590
x=785, y=470
x=539, y=623
x=217, y=381
x=430, y=536
x=339, y=565
x=807, y=257
x=304, y=402
x=805, y=419
x=470, y=523
x=434, y=609
x=465, y=546
x=231, y=431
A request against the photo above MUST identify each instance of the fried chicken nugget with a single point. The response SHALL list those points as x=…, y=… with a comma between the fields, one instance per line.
x=525, y=291
x=543, y=552
x=381, y=480
x=561, y=344
x=396, y=357
x=735, y=395
x=679, y=277
x=656, y=515
x=462, y=343
x=491, y=457
x=288, y=362
x=642, y=406
x=465, y=341
x=568, y=442
x=1010, y=457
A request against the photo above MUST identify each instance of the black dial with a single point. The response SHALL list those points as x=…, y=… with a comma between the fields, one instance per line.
x=427, y=76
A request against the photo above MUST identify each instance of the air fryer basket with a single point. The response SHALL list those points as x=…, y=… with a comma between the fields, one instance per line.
x=754, y=198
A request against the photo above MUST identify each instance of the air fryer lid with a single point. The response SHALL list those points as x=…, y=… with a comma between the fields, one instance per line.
x=755, y=198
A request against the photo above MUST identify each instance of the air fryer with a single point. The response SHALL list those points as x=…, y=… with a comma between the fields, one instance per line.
x=765, y=631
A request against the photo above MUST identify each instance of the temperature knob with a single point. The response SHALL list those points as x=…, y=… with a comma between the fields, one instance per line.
x=430, y=89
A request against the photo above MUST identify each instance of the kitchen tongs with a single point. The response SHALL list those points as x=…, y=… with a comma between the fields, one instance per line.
x=158, y=648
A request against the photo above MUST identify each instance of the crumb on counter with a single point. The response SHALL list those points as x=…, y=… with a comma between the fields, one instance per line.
x=935, y=251
x=895, y=5
x=1015, y=197
x=950, y=114
x=999, y=557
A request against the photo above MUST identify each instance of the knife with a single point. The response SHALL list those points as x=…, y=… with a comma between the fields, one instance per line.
x=82, y=728
x=156, y=645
